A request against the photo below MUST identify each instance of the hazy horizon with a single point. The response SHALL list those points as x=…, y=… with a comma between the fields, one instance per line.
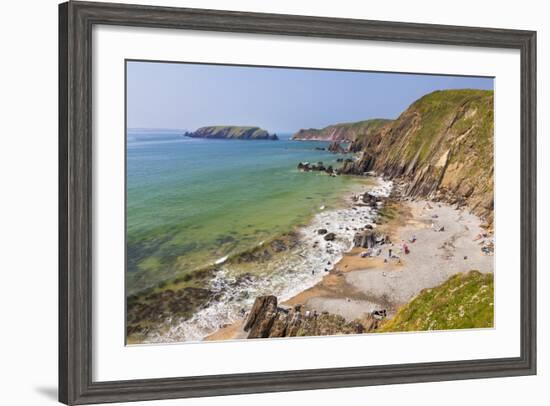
x=181, y=96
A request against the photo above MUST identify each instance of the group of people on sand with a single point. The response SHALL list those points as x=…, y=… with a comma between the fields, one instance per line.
x=404, y=249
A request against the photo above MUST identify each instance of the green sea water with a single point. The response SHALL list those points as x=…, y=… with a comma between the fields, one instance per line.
x=191, y=202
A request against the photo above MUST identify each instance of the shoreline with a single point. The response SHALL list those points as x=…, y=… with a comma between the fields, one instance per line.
x=356, y=286
x=236, y=284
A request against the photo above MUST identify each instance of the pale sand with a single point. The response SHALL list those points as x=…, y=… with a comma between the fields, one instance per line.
x=356, y=285
x=367, y=284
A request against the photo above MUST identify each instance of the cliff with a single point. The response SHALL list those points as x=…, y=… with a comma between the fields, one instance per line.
x=442, y=145
x=232, y=132
x=340, y=132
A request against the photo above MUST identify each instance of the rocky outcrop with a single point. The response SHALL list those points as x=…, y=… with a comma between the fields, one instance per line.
x=146, y=311
x=232, y=133
x=368, y=238
x=319, y=167
x=261, y=317
x=365, y=239
x=267, y=319
x=442, y=146
x=336, y=148
x=340, y=132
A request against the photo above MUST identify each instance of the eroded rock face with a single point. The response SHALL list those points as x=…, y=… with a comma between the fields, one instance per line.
x=261, y=317
x=336, y=148
x=442, y=146
x=266, y=319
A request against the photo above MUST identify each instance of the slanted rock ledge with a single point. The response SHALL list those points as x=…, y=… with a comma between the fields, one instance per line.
x=266, y=319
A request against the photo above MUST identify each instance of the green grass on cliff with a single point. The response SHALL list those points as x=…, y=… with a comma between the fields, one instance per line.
x=463, y=301
x=372, y=124
x=436, y=110
x=368, y=127
x=356, y=129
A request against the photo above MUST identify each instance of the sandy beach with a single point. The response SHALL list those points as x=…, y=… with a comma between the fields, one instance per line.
x=369, y=283
x=446, y=241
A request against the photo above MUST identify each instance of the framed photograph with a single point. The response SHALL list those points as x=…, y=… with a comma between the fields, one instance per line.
x=259, y=202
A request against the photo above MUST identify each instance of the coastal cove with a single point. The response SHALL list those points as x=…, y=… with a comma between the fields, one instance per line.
x=380, y=225
x=193, y=202
x=210, y=208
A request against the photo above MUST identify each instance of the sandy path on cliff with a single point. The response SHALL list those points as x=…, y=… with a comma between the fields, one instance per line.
x=433, y=258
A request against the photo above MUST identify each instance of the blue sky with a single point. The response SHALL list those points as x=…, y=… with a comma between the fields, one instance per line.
x=188, y=96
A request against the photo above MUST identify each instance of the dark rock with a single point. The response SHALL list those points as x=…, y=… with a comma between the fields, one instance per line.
x=336, y=148
x=268, y=320
x=322, y=231
x=261, y=317
x=330, y=237
x=279, y=325
x=370, y=200
x=365, y=239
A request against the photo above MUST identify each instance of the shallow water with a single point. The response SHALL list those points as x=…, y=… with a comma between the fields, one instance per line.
x=284, y=275
x=191, y=202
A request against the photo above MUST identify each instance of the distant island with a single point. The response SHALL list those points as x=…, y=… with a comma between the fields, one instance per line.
x=232, y=133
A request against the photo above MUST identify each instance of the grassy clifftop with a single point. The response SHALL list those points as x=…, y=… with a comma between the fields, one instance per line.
x=341, y=132
x=463, y=301
x=443, y=145
x=232, y=132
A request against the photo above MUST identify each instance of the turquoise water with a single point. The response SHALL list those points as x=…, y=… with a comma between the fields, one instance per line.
x=191, y=202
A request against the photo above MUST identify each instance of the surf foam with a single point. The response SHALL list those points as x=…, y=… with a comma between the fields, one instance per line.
x=285, y=276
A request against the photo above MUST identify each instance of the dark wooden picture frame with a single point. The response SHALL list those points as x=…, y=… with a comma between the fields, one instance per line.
x=76, y=20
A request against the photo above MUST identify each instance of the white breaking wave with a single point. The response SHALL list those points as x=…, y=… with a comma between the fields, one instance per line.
x=221, y=260
x=285, y=276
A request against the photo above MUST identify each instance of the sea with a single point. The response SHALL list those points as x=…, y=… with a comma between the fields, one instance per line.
x=191, y=203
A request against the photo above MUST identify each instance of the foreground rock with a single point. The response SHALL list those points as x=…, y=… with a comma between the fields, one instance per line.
x=266, y=320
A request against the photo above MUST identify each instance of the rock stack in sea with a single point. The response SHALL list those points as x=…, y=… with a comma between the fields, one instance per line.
x=316, y=167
